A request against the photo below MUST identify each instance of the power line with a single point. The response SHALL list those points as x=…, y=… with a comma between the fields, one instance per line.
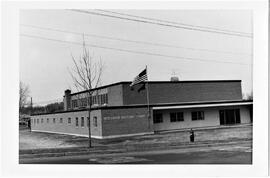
x=161, y=24
x=166, y=21
x=133, y=51
x=134, y=41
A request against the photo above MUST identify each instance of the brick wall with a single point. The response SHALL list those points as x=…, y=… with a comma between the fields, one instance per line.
x=183, y=92
x=125, y=121
x=115, y=95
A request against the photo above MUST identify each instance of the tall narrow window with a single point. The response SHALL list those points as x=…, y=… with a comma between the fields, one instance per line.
x=94, y=99
x=237, y=116
x=82, y=122
x=54, y=120
x=95, y=121
x=61, y=120
x=106, y=98
x=48, y=120
x=101, y=99
x=69, y=120
x=77, y=122
x=98, y=99
x=42, y=120
x=88, y=121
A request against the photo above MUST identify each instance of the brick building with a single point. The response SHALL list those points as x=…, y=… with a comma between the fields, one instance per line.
x=120, y=110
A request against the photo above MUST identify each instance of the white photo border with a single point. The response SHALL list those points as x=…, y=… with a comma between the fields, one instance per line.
x=10, y=84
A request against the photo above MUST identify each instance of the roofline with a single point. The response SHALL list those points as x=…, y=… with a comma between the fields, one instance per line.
x=129, y=82
x=245, y=102
x=201, y=105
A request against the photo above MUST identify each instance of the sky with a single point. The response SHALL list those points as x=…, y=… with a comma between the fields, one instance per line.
x=189, y=54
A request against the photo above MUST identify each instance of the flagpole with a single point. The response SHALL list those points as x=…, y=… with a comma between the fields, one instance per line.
x=147, y=97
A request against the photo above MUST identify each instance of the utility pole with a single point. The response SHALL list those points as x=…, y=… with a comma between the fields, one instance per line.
x=31, y=112
x=31, y=107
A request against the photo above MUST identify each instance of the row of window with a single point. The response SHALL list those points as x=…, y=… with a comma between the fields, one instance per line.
x=97, y=99
x=42, y=120
x=178, y=116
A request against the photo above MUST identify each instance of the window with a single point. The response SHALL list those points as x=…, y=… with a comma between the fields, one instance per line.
x=88, y=120
x=42, y=120
x=176, y=116
x=82, y=122
x=69, y=120
x=89, y=100
x=101, y=99
x=94, y=100
x=61, y=120
x=106, y=98
x=95, y=121
x=197, y=115
x=84, y=102
x=48, y=120
x=37, y=121
x=229, y=116
x=158, y=118
x=54, y=120
x=34, y=121
x=74, y=103
x=98, y=99
x=77, y=122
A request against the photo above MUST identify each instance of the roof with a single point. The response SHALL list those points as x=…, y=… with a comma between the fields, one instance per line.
x=156, y=82
x=160, y=105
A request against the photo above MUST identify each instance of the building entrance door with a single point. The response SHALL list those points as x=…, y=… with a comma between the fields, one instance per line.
x=229, y=116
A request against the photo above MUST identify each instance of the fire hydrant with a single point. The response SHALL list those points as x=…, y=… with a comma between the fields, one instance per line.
x=191, y=135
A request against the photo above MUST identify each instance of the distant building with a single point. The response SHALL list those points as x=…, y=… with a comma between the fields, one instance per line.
x=119, y=110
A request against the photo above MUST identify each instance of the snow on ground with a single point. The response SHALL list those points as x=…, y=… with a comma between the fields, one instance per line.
x=38, y=140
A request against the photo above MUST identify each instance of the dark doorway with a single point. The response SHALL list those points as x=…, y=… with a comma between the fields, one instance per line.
x=229, y=116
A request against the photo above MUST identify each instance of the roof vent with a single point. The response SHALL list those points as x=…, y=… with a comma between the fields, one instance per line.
x=174, y=79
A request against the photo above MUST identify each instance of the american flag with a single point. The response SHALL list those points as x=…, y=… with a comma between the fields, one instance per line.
x=139, y=78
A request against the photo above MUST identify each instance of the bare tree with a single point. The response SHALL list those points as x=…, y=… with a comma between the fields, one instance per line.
x=24, y=94
x=86, y=75
x=248, y=96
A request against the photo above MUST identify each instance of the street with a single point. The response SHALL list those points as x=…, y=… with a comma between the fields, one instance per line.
x=225, y=154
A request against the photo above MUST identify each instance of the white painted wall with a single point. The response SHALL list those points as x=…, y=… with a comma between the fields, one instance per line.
x=211, y=118
x=245, y=115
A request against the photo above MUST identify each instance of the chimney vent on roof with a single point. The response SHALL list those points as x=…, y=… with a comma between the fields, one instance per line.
x=67, y=100
x=174, y=79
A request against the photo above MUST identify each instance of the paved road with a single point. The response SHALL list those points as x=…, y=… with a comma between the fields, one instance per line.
x=226, y=154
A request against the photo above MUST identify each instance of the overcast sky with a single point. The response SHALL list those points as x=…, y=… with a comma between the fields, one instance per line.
x=44, y=63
